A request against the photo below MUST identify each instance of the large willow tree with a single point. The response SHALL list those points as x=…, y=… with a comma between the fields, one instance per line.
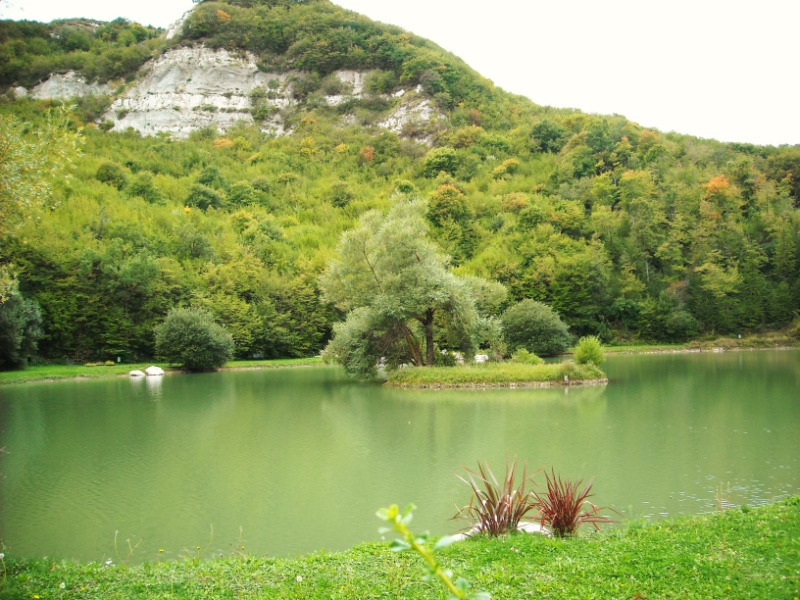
x=401, y=299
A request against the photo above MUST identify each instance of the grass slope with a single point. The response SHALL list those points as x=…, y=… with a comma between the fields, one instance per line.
x=741, y=553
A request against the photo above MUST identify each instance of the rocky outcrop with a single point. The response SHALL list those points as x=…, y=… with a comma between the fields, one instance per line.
x=67, y=85
x=190, y=88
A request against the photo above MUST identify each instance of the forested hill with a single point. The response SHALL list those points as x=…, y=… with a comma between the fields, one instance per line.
x=627, y=232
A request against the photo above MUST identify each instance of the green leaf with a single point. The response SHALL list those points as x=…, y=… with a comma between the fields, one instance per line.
x=399, y=545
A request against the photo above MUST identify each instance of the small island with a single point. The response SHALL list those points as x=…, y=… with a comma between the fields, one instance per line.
x=412, y=318
x=498, y=375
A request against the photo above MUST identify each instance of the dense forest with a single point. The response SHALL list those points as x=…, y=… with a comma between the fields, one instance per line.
x=627, y=232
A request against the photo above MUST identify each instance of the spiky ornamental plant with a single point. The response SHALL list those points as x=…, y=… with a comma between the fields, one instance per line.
x=565, y=506
x=495, y=508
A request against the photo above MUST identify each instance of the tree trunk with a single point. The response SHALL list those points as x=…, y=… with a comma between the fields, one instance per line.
x=429, y=337
x=413, y=347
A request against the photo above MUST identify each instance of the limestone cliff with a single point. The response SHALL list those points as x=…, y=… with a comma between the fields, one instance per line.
x=189, y=88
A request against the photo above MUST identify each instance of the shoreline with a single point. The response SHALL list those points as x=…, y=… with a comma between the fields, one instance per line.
x=26, y=376
x=501, y=385
x=29, y=375
x=617, y=350
x=680, y=557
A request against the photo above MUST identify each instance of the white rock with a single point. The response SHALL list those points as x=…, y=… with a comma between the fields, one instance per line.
x=68, y=85
x=419, y=111
x=194, y=87
x=153, y=371
x=176, y=27
x=524, y=527
x=136, y=373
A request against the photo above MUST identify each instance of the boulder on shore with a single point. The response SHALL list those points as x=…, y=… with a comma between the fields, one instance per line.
x=136, y=373
x=153, y=371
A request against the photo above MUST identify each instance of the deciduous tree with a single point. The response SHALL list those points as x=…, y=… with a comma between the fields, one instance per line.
x=400, y=295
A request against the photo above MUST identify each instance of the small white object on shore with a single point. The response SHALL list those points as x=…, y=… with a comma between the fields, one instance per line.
x=524, y=526
x=136, y=373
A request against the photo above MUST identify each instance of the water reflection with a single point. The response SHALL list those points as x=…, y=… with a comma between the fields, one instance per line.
x=297, y=460
x=153, y=387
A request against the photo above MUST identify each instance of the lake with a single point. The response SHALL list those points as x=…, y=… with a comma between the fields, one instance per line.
x=283, y=462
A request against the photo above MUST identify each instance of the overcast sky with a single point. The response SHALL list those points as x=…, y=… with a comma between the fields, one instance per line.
x=711, y=68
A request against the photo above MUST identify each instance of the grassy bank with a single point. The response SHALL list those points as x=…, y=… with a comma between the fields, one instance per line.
x=766, y=340
x=63, y=372
x=494, y=374
x=740, y=553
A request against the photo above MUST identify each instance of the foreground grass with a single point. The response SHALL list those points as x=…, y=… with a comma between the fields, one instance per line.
x=740, y=553
x=495, y=374
x=62, y=372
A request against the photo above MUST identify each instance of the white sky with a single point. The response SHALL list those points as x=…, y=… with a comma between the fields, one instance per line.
x=723, y=69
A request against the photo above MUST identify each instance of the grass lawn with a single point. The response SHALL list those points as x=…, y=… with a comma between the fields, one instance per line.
x=59, y=372
x=493, y=374
x=735, y=554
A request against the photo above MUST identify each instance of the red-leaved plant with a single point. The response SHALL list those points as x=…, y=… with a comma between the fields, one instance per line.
x=496, y=508
x=565, y=507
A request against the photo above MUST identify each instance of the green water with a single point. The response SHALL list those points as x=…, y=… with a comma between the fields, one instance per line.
x=292, y=461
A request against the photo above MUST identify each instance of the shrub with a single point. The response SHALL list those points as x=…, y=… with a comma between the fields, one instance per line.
x=794, y=328
x=524, y=357
x=204, y=197
x=243, y=193
x=112, y=174
x=496, y=508
x=341, y=194
x=20, y=329
x=190, y=338
x=535, y=327
x=563, y=508
x=447, y=203
x=144, y=186
x=589, y=350
x=441, y=159
x=212, y=177
x=548, y=136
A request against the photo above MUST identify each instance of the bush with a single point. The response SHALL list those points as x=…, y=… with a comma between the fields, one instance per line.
x=535, y=327
x=243, y=193
x=589, y=350
x=20, y=322
x=341, y=194
x=190, y=338
x=204, y=197
x=112, y=174
x=524, y=357
x=441, y=159
x=144, y=186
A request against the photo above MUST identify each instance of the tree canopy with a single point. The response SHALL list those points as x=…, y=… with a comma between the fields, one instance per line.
x=400, y=296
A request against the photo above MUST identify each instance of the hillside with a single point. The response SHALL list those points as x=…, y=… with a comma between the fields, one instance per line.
x=221, y=165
